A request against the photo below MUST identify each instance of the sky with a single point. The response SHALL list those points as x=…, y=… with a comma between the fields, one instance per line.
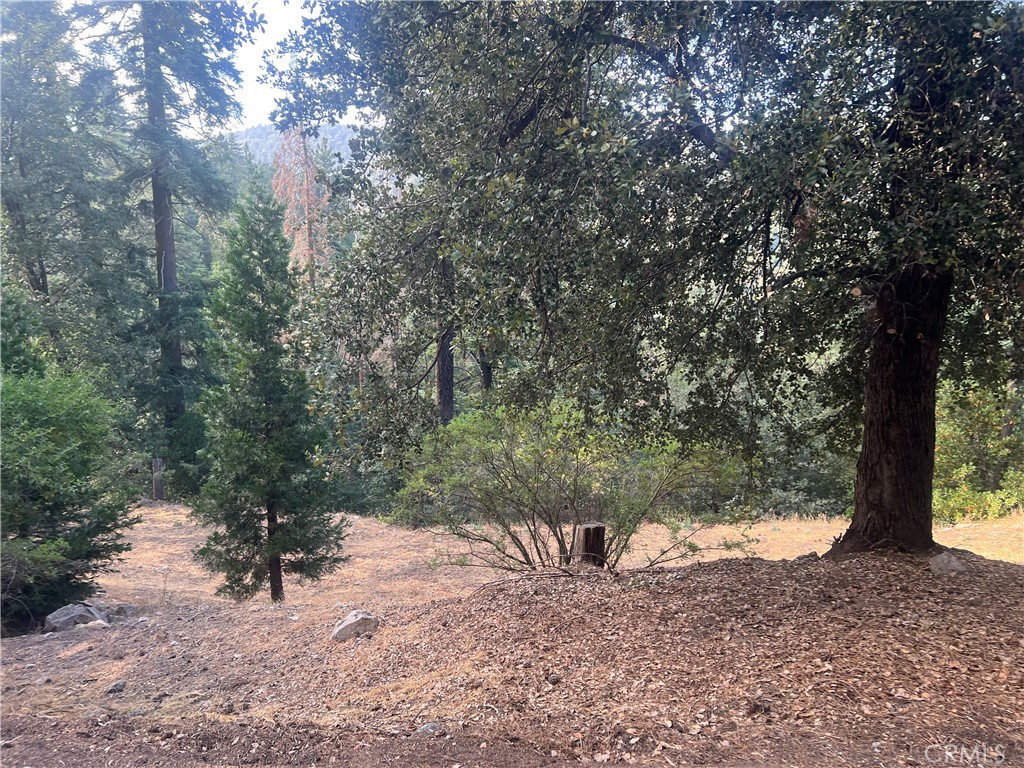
x=257, y=99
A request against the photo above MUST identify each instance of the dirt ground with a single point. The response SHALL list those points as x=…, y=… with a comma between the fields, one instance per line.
x=732, y=661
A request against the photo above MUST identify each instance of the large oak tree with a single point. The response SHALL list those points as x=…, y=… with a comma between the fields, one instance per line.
x=758, y=198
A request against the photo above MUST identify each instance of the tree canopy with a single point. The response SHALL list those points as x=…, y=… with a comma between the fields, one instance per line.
x=755, y=200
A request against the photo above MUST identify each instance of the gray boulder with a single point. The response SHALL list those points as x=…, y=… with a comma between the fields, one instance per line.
x=356, y=624
x=946, y=563
x=71, y=615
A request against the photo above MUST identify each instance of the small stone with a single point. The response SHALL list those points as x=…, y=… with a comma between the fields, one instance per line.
x=946, y=563
x=116, y=687
x=356, y=624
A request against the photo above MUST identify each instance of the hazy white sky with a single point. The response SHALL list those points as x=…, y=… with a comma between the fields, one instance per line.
x=257, y=99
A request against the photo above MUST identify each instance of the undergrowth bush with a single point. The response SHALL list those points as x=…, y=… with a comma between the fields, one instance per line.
x=514, y=485
x=61, y=512
x=979, y=453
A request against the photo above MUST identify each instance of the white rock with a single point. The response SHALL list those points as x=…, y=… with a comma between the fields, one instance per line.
x=946, y=563
x=356, y=624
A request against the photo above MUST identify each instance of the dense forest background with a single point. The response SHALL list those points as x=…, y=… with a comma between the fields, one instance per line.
x=560, y=273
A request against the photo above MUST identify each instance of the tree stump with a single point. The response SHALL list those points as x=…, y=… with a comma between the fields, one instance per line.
x=588, y=544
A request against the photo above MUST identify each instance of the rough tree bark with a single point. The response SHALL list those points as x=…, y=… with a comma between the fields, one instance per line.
x=588, y=545
x=893, y=489
x=163, y=218
x=444, y=379
x=444, y=384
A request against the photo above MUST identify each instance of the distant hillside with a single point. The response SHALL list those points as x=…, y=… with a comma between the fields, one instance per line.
x=263, y=140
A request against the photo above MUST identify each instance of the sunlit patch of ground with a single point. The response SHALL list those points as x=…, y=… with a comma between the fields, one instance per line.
x=730, y=661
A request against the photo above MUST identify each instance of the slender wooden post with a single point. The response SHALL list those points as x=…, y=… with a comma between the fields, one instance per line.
x=588, y=544
x=158, y=479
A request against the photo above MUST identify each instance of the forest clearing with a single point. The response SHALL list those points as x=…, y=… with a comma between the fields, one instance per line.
x=341, y=341
x=739, y=661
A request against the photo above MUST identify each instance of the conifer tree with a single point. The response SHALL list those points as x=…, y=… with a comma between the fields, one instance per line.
x=267, y=498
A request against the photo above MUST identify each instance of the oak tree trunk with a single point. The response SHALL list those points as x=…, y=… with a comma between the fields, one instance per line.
x=893, y=489
x=444, y=391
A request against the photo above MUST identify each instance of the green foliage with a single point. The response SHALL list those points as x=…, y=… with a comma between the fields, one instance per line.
x=188, y=466
x=62, y=515
x=68, y=248
x=269, y=496
x=19, y=352
x=979, y=452
x=74, y=164
x=513, y=485
x=729, y=192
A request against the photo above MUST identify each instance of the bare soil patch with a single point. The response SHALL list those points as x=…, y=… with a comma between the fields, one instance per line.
x=868, y=661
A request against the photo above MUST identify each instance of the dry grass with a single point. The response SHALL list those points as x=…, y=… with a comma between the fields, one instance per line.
x=630, y=655
x=1001, y=539
x=390, y=565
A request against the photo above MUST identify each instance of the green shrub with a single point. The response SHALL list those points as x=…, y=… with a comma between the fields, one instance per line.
x=61, y=514
x=979, y=453
x=515, y=485
x=187, y=467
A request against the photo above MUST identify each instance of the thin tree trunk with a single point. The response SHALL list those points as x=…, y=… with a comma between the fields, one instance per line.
x=163, y=220
x=35, y=269
x=893, y=490
x=274, y=561
x=995, y=481
x=309, y=190
x=206, y=251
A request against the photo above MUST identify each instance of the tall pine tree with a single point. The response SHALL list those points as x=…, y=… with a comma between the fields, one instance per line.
x=267, y=498
x=176, y=61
